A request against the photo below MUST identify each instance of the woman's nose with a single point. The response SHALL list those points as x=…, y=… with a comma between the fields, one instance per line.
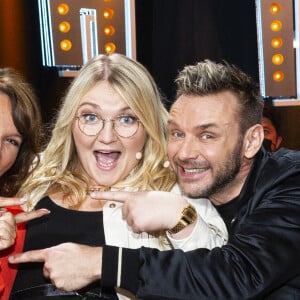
x=107, y=134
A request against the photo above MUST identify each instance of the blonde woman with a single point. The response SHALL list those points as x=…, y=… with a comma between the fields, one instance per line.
x=110, y=134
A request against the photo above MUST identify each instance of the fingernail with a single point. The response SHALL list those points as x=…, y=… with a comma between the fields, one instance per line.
x=46, y=210
x=23, y=200
x=93, y=194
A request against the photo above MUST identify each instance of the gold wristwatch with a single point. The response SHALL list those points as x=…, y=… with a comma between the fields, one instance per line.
x=188, y=216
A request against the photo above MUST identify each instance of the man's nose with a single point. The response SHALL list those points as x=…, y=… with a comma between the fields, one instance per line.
x=189, y=149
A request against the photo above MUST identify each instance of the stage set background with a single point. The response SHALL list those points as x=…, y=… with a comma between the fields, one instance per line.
x=170, y=34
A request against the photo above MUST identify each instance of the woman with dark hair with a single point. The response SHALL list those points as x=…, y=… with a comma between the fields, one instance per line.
x=20, y=109
x=20, y=143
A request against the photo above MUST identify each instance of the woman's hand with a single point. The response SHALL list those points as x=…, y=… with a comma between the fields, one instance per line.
x=9, y=221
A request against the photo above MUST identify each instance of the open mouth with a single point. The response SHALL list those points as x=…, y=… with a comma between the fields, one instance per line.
x=193, y=171
x=107, y=159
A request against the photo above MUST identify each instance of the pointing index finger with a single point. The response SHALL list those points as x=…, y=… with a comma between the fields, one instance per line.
x=11, y=201
x=27, y=216
x=29, y=256
x=112, y=196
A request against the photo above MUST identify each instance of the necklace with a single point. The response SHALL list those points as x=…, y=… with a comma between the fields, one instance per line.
x=97, y=189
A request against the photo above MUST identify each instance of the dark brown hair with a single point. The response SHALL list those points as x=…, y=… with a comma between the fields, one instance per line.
x=208, y=78
x=27, y=119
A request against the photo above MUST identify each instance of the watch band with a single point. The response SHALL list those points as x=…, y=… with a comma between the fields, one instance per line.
x=188, y=216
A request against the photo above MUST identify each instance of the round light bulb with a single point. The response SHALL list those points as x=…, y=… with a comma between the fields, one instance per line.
x=108, y=13
x=110, y=48
x=65, y=45
x=278, y=76
x=63, y=8
x=64, y=26
x=276, y=42
x=109, y=30
x=276, y=25
x=277, y=59
x=275, y=8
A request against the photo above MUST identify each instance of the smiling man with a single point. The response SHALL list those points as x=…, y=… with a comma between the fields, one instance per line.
x=215, y=147
x=206, y=152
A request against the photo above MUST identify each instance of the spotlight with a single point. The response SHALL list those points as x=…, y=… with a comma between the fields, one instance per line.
x=72, y=32
x=277, y=62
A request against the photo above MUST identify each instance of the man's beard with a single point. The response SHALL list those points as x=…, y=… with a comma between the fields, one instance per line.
x=225, y=174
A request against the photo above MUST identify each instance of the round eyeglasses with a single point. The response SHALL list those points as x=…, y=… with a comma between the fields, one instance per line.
x=125, y=125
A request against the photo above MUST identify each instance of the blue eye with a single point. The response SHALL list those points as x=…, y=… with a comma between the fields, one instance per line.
x=89, y=118
x=126, y=120
x=175, y=135
x=207, y=136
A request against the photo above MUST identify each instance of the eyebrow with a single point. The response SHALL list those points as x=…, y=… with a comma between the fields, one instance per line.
x=201, y=127
x=98, y=107
x=171, y=122
x=16, y=135
x=89, y=103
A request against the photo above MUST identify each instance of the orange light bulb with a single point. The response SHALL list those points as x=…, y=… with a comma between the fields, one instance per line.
x=64, y=26
x=276, y=25
x=276, y=42
x=278, y=76
x=108, y=13
x=65, y=45
x=110, y=48
x=275, y=8
x=63, y=8
x=277, y=59
x=109, y=30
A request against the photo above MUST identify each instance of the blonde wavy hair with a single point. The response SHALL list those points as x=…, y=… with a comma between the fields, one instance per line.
x=60, y=168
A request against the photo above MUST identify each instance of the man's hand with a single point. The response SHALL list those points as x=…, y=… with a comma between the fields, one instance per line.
x=147, y=211
x=69, y=266
x=8, y=221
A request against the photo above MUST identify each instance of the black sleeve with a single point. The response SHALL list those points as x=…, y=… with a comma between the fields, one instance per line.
x=109, y=266
x=261, y=257
x=258, y=260
x=129, y=270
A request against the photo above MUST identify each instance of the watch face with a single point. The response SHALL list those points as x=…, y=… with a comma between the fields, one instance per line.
x=188, y=216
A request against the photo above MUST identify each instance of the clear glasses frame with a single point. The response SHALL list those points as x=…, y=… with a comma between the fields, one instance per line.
x=93, y=127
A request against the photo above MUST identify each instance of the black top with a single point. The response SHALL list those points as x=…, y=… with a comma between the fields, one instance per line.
x=60, y=226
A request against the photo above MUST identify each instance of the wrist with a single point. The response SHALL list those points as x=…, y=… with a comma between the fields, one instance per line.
x=188, y=217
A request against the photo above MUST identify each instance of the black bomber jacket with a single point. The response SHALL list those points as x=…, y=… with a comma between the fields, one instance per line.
x=260, y=261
